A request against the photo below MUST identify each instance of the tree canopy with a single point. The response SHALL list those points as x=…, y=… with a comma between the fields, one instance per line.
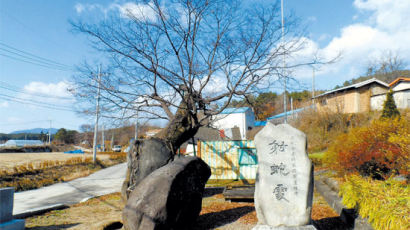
x=177, y=59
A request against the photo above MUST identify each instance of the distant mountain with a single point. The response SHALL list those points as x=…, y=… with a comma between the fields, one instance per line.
x=35, y=131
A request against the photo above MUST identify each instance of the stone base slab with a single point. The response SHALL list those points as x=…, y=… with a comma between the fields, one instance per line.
x=266, y=227
x=15, y=224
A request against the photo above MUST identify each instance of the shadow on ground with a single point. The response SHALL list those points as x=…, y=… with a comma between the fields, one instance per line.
x=208, y=192
x=216, y=219
x=332, y=223
x=54, y=227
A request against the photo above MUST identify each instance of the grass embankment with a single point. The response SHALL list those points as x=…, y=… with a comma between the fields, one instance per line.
x=36, y=175
x=385, y=203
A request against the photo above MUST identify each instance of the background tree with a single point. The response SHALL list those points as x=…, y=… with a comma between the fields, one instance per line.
x=66, y=136
x=172, y=59
x=389, y=107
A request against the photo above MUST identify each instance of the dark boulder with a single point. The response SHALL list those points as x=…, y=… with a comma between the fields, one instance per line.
x=144, y=157
x=169, y=198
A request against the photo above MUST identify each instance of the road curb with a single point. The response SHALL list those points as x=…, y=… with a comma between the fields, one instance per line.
x=39, y=211
x=328, y=188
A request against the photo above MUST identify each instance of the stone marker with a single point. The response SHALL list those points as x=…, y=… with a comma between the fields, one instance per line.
x=6, y=211
x=284, y=184
x=169, y=198
x=144, y=157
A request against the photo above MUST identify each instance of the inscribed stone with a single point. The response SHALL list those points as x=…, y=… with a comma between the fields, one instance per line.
x=284, y=184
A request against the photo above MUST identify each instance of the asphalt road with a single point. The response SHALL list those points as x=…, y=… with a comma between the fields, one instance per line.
x=100, y=183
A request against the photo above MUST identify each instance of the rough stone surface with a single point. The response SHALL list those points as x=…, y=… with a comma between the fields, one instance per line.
x=169, y=198
x=13, y=225
x=284, y=185
x=143, y=158
x=6, y=204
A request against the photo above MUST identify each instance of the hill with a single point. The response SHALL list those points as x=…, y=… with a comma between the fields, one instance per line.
x=35, y=131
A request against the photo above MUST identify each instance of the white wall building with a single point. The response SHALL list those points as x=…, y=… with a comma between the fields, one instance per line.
x=401, y=95
x=243, y=118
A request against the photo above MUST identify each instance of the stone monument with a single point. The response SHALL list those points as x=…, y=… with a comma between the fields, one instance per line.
x=6, y=211
x=284, y=183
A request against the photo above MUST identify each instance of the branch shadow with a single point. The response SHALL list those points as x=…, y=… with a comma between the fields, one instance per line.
x=216, y=219
x=53, y=227
x=334, y=223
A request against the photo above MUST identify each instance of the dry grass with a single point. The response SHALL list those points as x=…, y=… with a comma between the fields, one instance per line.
x=11, y=160
x=93, y=214
x=216, y=213
x=42, y=173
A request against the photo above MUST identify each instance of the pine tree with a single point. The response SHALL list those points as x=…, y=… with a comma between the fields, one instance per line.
x=389, y=107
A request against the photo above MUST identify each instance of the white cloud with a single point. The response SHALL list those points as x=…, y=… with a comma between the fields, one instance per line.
x=126, y=10
x=79, y=8
x=4, y=104
x=140, y=11
x=386, y=27
x=55, y=93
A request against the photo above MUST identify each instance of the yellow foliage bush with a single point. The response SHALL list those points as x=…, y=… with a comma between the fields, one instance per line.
x=385, y=203
x=378, y=150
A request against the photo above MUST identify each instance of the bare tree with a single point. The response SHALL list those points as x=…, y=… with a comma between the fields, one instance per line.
x=387, y=67
x=178, y=59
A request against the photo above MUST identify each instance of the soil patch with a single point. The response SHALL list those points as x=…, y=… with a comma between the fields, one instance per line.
x=216, y=213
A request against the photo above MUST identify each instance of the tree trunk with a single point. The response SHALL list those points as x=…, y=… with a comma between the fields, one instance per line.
x=146, y=156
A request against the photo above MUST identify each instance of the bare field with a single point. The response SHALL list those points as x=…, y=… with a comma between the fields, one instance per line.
x=10, y=160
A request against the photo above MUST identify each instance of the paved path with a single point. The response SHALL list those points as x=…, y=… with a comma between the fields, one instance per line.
x=102, y=182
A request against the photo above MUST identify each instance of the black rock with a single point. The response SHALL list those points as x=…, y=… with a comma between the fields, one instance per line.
x=169, y=198
x=143, y=158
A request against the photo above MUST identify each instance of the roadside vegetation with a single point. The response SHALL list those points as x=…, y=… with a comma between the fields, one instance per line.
x=36, y=175
x=368, y=154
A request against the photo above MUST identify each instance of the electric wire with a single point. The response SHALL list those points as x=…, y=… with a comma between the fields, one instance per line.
x=32, y=94
x=39, y=104
x=33, y=55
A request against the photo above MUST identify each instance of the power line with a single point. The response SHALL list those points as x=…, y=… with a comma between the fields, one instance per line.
x=32, y=58
x=32, y=94
x=34, y=101
x=22, y=123
x=33, y=63
x=33, y=55
x=30, y=103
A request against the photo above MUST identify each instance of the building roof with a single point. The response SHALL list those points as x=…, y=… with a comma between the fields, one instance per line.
x=397, y=80
x=288, y=113
x=23, y=142
x=355, y=86
x=235, y=110
x=259, y=123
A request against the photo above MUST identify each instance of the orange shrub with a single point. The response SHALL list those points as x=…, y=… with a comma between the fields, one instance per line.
x=377, y=150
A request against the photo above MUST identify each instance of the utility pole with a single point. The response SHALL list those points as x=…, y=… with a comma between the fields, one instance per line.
x=136, y=128
x=313, y=85
x=97, y=110
x=284, y=65
x=112, y=139
x=291, y=106
x=49, y=134
x=102, y=139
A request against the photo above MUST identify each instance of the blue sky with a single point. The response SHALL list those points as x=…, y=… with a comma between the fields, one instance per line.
x=361, y=30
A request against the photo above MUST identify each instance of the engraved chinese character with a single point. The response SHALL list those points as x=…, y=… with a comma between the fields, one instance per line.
x=280, y=191
x=277, y=146
x=279, y=169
